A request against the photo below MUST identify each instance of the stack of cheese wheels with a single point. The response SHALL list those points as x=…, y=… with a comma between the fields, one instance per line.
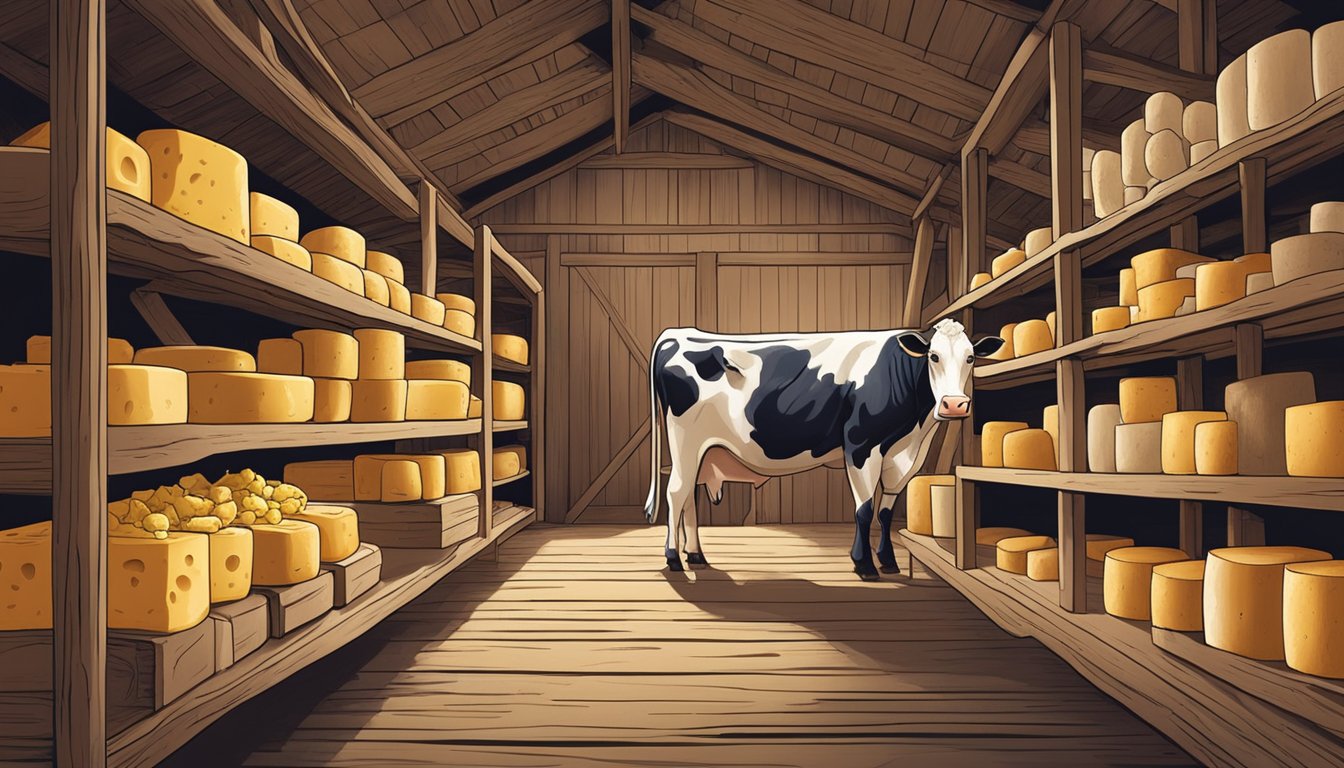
x=1276, y=84
x=378, y=264
x=1032, y=336
x=1315, y=439
x=330, y=358
x=1177, y=596
x=1006, y=261
x=1029, y=449
x=979, y=279
x=337, y=530
x=459, y=313
x=1327, y=59
x=380, y=391
x=1127, y=579
x=1101, y=423
x=231, y=554
x=1223, y=282
x=275, y=230
x=136, y=394
x=1259, y=406
x=464, y=471
x=1243, y=598
x=288, y=552
x=1108, y=186
x=1313, y=626
x=427, y=309
x=992, y=435
x=509, y=347
x=1178, y=439
x=1005, y=351
x=127, y=163
x=1199, y=125
x=1038, y=240
x=338, y=256
x=919, y=502
x=1012, y=552
x=1144, y=401
x=508, y=462
x=196, y=179
x=1231, y=99
x=400, y=477
x=1160, y=265
x=437, y=390
x=223, y=386
x=509, y=401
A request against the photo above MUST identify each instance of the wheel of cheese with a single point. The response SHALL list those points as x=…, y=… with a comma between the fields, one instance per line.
x=1200, y=151
x=337, y=530
x=193, y=358
x=1135, y=194
x=518, y=451
x=427, y=309
x=1231, y=99
x=342, y=273
x=25, y=577
x=1160, y=265
x=329, y=354
x=146, y=394
x=128, y=168
x=1303, y=255
x=1126, y=582
x=342, y=242
x=1050, y=423
x=457, y=301
x=1258, y=405
x=509, y=347
x=38, y=351
x=1109, y=319
x=328, y=480
x=1011, y=553
x=1315, y=439
x=458, y=321
x=1216, y=448
x=1038, y=240
x=1161, y=300
x=1050, y=323
x=1146, y=398
x=382, y=354
x=991, y=440
x=944, y=499
x=25, y=400
x=1276, y=82
x=1187, y=307
x=1031, y=336
x=382, y=476
x=158, y=585
x=1098, y=544
x=248, y=398
x=1005, y=351
x=464, y=471
x=474, y=408
x=1108, y=186
x=1187, y=271
x=331, y=400
x=1327, y=217
x=1177, y=596
x=509, y=401
x=287, y=251
x=1243, y=598
x=1101, y=423
x=1043, y=564
x=283, y=356
x=505, y=465
x=1129, y=289
x=385, y=264
x=1006, y=261
x=1199, y=122
x=1259, y=281
x=399, y=297
x=288, y=552
x=1313, y=625
x=1166, y=154
x=230, y=563
x=273, y=217
x=1327, y=59
x=375, y=288
x=196, y=179
x=378, y=400
x=979, y=279
x=1163, y=111
x=436, y=400
x=1218, y=283
x=989, y=537
x=1029, y=449
x=1178, y=439
x=1255, y=262
x=1133, y=168
x=1138, y=448
x=447, y=370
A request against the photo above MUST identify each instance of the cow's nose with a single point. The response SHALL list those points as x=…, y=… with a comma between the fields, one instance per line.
x=954, y=407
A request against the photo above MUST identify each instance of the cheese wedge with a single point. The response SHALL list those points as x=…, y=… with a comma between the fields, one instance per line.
x=427, y=309
x=342, y=242
x=119, y=351
x=330, y=480
x=198, y=180
x=288, y=552
x=230, y=563
x=146, y=394
x=25, y=577
x=337, y=530
x=378, y=400
x=1177, y=596
x=197, y=358
x=509, y=347
x=446, y=370
x=1127, y=579
x=249, y=398
x=919, y=502
x=436, y=400
x=158, y=585
x=332, y=399
x=457, y=301
x=1243, y=598
x=464, y=471
x=458, y=321
x=287, y=251
x=25, y=400
x=338, y=271
x=382, y=354
x=273, y=217
x=385, y=264
x=329, y=354
x=127, y=162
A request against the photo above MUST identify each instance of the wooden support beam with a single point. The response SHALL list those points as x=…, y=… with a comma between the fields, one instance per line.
x=974, y=181
x=1072, y=506
x=931, y=194
x=670, y=161
x=968, y=512
x=919, y=273
x=160, y=319
x=1034, y=136
x=956, y=280
x=483, y=260
x=840, y=228
x=1020, y=176
x=247, y=18
x=1254, y=234
x=1245, y=528
x=556, y=284
x=1185, y=234
x=78, y=40
x=1197, y=36
x=1190, y=397
x=1019, y=91
x=620, y=70
x=32, y=76
x=1112, y=66
x=1066, y=138
x=521, y=186
x=429, y=240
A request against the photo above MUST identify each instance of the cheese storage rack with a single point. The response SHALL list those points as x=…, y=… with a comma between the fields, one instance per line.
x=1163, y=677
x=325, y=151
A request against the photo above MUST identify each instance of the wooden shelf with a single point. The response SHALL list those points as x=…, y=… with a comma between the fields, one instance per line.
x=507, y=480
x=510, y=426
x=1303, y=492
x=500, y=364
x=407, y=573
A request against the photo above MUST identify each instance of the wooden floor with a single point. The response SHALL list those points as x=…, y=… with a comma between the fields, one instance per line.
x=575, y=649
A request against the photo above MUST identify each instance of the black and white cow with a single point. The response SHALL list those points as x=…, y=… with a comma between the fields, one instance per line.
x=746, y=408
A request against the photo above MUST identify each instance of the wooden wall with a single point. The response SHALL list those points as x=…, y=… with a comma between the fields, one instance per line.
x=677, y=232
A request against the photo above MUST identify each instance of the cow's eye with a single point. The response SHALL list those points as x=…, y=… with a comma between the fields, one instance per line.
x=933, y=358
x=970, y=359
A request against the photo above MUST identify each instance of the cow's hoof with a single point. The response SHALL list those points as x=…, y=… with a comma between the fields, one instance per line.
x=674, y=561
x=892, y=568
x=695, y=559
x=866, y=571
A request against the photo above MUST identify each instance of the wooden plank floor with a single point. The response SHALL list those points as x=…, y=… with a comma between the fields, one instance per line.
x=574, y=649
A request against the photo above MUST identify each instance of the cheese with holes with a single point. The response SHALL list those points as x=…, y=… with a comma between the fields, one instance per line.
x=944, y=501
x=988, y=537
x=288, y=552
x=378, y=400
x=919, y=502
x=1258, y=405
x=505, y=465
x=158, y=585
x=388, y=477
x=196, y=179
x=458, y=321
x=1199, y=122
x=248, y=398
x=1243, y=598
x=230, y=563
x=1163, y=111
x=1032, y=336
x=280, y=356
x=375, y=288
x=1313, y=625
x=382, y=354
x=1219, y=283
x=329, y=480
x=342, y=242
x=1038, y=240
x=1006, y=261
x=979, y=279
x=385, y=264
x=337, y=530
x=991, y=440
x=474, y=408
x=1050, y=423
x=1231, y=98
x=1315, y=439
x=287, y=251
x=1029, y=449
x=508, y=401
x=119, y=351
x=1011, y=553
x=197, y=358
x=331, y=400
x=1324, y=217
x=1129, y=289
x=1133, y=168
x=427, y=309
x=1176, y=596
x=509, y=347
x=1276, y=84
x=1166, y=154
x=1309, y=254
x=436, y=400
x=399, y=297
x=1108, y=186
x=127, y=163
x=25, y=577
x=1216, y=448
x=447, y=370
x=1043, y=564
x=1160, y=265
x=1327, y=59
x=25, y=400
x=1178, y=439
x=1201, y=150
x=1138, y=448
x=1101, y=423
x=342, y=273
x=329, y=354
x=464, y=471
x=1127, y=579
x=273, y=217
x=457, y=301
x=146, y=394
x=1109, y=319
x=1146, y=398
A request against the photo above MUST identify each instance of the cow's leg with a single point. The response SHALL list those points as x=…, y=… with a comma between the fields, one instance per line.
x=680, y=494
x=897, y=468
x=863, y=483
x=886, y=553
x=695, y=556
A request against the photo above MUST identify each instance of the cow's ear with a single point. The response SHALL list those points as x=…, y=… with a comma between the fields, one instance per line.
x=988, y=346
x=913, y=344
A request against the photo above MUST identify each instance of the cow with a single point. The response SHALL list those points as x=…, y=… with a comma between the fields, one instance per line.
x=749, y=407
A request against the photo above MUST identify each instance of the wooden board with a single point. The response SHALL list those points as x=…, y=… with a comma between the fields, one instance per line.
x=241, y=627
x=356, y=574
x=435, y=524
x=291, y=606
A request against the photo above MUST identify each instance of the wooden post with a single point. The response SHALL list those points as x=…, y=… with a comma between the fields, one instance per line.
x=78, y=39
x=1185, y=234
x=160, y=319
x=956, y=279
x=483, y=377
x=540, y=408
x=429, y=240
x=974, y=185
x=1066, y=128
x=707, y=291
x=968, y=519
x=620, y=71
x=1197, y=36
x=1245, y=528
x=557, y=384
x=1190, y=397
x=1072, y=507
x=919, y=272
x=1254, y=237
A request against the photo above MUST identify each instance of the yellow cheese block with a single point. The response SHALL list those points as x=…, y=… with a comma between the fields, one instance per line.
x=249, y=398
x=1277, y=86
x=1032, y=336
x=1029, y=449
x=283, y=356
x=385, y=264
x=399, y=297
x=508, y=400
x=520, y=451
x=1011, y=553
x=1038, y=240
x=329, y=354
x=1313, y=625
x=1146, y=398
x=1050, y=323
x=273, y=217
x=944, y=501
x=342, y=242
x=1129, y=289
x=194, y=359
x=1108, y=185
x=342, y=273
x=337, y=530
x=1219, y=283
x=988, y=537
x=146, y=394
x=330, y=480
x=288, y=552
x=375, y=288
x=991, y=440
x=119, y=351
x=1166, y=154
x=474, y=408
x=1259, y=406
x=464, y=471
x=1109, y=319
x=158, y=585
x=457, y=301
x=1230, y=93
x=1178, y=439
x=1159, y=265
x=382, y=354
x=1243, y=598
x=919, y=502
x=1303, y=255
x=1162, y=300
x=509, y=347
x=287, y=251
x=198, y=180
x=1163, y=111
x=1216, y=448
x=436, y=400
x=1138, y=448
x=1199, y=122
x=1006, y=261
x=1006, y=351
x=378, y=400
x=230, y=563
x=127, y=162
x=1127, y=579
x=25, y=577
x=1327, y=59
x=1101, y=423
x=458, y=321
x=505, y=465
x=427, y=308
x=25, y=400
x=332, y=399
x=372, y=476
x=447, y=370
x=979, y=279
x=1177, y=596
x=1315, y=439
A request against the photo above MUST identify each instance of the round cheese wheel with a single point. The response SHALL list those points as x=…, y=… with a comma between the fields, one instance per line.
x=378, y=400
x=1199, y=122
x=1161, y=264
x=509, y=401
x=1050, y=323
x=1218, y=283
x=38, y=350
x=1163, y=111
x=919, y=501
x=1043, y=564
x=273, y=217
x=1161, y=300
x=329, y=354
x=382, y=353
x=1038, y=240
x=1011, y=553
x=448, y=370
x=1050, y=423
x=248, y=398
x=505, y=465
x=1327, y=217
x=1146, y=398
x=1276, y=82
x=385, y=264
x=1031, y=336
x=1231, y=99
x=459, y=322
x=1129, y=289
x=1313, y=625
x=464, y=471
x=1101, y=423
x=944, y=500
x=427, y=309
x=342, y=273
x=287, y=251
x=1108, y=185
x=457, y=301
x=1327, y=59
x=979, y=279
x=1243, y=598
x=1177, y=596
x=1133, y=168
x=436, y=400
x=1314, y=437
x=991, y=440
x=146, y=394
x=399, y=297
x=1303, y=255
x=1126, y=582
x=988, y=537
x=1006, y=261
x=1216, y=448
x=1201, y=150
x=1029, y=449
x=193, y=358
x=1098, y=544
x=1259, y=281
x=1178, y=439
x=198, y=180
x=342, y=242
x=1135, y=194
x=1138, y=448
x=1166, y=154
x=375, y=288
x=331, y=400
x=1109, y=319
x=509, y=347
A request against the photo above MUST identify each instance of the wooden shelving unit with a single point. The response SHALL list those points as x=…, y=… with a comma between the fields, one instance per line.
x=507, y=480
x=510, y=426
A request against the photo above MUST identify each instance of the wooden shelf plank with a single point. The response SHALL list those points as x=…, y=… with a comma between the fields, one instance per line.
x=1321, y=493
x=507, y=480
x=510, y=366
x=510, y=426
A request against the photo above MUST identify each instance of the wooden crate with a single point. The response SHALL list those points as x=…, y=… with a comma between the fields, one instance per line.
x=241, y=627
x=290, y=607
x=437, y=524
x=356, y=574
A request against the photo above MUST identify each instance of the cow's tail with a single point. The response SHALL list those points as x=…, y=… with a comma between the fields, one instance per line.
x=656, y=436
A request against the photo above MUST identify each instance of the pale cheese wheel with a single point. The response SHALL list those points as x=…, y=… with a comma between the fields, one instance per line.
x=1327, y=217
x=1200, y=151
x=1259, y=407
x=337, y=530
x=1163, y=111
x=198, y=180
x=195, y=358
x=1043, y=564
x=231, y=551
x=1243, y=598
x=342, y=273
x=331, y=400
x=248, y=398
x=38, y=351
x=457, y=301
x=280, y=356
x=1259, y=281
x=1313, y=624
x=1126, y=582
x=464, y=471
x=375, y=288
x=1187, y=271
x=1187, y=307
x=1031, y=336
x=425, y=478
x=1101, y=423
x=287, y=251
x=1108, y=185
x=1133, y=315
x=1006, y=261
x=1166, y=154
x=1161, y=300
x=427, y=309
x=1029, y=449
x=1178, y=439
x=1109, y=319
x=944, y=498
x=504, y=466
x=1011, y=553
x=382, y=353
x=289, y=552
x=146, y=394
x=509, y=402
x=157, y=585
x=1038, y=240
x=378, y=400
x=385, y=264
x=979, y=279
x=436, y=400
x=1303, y=255
x=509, y=347
x=1199, y=122
x=919, y=502
x=329, y=480
x=273, y=217
x=447, y=370
x=1177, y=596
x=1133, y=168
x=1327, y=59
x=127, y=163
x=458, y=321
x=1129, y=288
x=989, y=537
x=1315, y=439
x=1050, y=423
x=342, y=242
x=1276, y=82
x=1146, y=398
x=1005, y=351
x=329, y=354
x=991, y=440
x=1231, y=99
x=1160, y=265
x=1219, y=283
x=1216, y=448
x=1135, y=194
x=1138, y=448
x=399, y=297
x=1097, y=545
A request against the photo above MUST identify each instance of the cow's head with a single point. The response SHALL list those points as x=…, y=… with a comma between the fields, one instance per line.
x=950, y=357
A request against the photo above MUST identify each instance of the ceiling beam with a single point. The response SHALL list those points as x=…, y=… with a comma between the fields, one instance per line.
x=620, y=71
x=931, y=194
x=670, y=161
x=1197, y=36
x=1034, y=136
x=1104, y=64
x=1020, y=176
